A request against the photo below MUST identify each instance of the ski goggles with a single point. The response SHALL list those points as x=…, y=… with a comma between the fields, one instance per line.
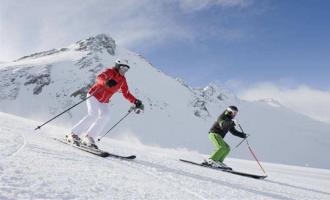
x=124, y=68
x=233, y=112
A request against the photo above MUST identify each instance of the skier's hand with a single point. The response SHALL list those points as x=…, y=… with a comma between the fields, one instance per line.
x=138, y=103
x=138, y=106
x=246, y=135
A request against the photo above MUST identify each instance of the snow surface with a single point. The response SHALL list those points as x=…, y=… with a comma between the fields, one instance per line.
x=33, y=166
x=41, y=85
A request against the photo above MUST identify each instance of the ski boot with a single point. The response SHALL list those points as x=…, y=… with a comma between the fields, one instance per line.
x=89, y=142
x=212, y=163
x=225, y=166
x=216, y=164
x=73, y=138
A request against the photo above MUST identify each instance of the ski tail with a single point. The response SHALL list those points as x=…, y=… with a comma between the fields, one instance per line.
x=97, y=152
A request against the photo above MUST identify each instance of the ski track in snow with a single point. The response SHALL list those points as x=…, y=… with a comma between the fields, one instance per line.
x=34, y=166
x=15, y=146
x=153, y=170
x=20, y=148
x=173, y=176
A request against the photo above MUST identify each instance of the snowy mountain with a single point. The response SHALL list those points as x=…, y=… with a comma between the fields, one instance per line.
x=41, y=85
x=34, y=166
x=271, y=102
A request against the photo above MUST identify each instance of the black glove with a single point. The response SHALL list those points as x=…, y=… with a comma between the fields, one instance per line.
x=245, y=135
x=138, y=104
x=111, y=83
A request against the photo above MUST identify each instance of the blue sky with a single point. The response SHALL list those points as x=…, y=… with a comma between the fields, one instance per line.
x=244, y=45
x=280, y=41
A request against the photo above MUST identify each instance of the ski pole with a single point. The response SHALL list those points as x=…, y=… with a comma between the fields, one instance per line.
x=240, y=143
x=255, y=156
x=38, y=127
x=243, y=132
x=129, y=111
x=250, y=149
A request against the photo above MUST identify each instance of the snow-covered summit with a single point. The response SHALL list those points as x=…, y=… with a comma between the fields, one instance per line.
x=97, y=43
x=213, y=91
x=207, y=98
x=271, y=102
x=93, y=44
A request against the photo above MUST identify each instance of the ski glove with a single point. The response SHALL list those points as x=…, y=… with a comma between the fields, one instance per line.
x=138, y=106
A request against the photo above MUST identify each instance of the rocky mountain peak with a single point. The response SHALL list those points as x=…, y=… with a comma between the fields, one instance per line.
x=98, y=43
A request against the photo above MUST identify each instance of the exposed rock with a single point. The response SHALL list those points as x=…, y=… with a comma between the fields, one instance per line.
x=41, y=54
x=40, y=80
x=98, y=43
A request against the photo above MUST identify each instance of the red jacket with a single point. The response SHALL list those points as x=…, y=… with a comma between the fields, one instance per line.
x=103, y=93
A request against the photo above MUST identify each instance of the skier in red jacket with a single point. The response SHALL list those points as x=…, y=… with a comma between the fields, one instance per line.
x=107, y=83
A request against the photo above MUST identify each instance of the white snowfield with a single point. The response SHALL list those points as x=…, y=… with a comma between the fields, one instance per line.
x=33, y=166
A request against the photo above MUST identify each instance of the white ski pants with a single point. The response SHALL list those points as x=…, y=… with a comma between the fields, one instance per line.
x=93, y=123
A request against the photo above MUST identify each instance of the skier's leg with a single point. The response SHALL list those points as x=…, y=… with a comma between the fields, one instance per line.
x=225, y=152
x=100, y=122
x=219, y=145
x=83, y=125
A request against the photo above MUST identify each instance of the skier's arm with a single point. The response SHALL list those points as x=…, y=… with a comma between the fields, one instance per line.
x=237, y=133
x=224, y=123
x=126, y=93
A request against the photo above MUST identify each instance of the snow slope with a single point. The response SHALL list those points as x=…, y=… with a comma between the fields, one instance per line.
x=33, y=166
x=176, y=115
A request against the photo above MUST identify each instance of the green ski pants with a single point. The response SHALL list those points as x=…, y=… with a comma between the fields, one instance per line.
x=222, y=148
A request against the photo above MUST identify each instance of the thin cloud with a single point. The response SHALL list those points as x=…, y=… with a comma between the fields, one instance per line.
x=196, y=5
x=30, y=26
x=303, y=99
x=41, y=25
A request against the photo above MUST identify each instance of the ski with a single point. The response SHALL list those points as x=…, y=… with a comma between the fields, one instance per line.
x=96, y=152
x=130, y=157
x=226, y=170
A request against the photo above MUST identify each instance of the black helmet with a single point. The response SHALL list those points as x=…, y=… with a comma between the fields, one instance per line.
x=232, y=111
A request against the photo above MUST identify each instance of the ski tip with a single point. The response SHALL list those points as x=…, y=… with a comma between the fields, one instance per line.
x=131, y=157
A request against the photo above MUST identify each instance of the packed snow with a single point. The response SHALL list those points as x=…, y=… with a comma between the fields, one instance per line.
x=34, y=166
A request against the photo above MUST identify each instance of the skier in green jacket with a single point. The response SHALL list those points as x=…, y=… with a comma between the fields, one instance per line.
x=218, y=131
